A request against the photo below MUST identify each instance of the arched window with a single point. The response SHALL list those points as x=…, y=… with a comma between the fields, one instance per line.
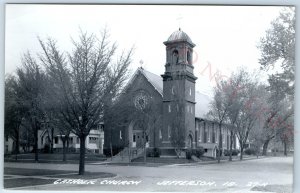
x=175, y=57
x=189, y=58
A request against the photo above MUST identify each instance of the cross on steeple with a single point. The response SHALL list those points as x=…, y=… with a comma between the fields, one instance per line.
x=179, y=18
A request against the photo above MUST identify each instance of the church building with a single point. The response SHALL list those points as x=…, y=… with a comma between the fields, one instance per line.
x=177, y=109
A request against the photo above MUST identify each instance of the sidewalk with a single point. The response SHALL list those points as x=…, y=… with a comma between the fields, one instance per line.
x=150, y=162
x=222, y=161
x=173, y=162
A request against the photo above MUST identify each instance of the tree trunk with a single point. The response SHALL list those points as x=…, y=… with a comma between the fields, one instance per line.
x=230, y=148
x=64, y=149
x=51, y=144
x=27, y=141
x=242, y=151
x=177, y=151
x=145, y=153
x=68, y=145
x=110, y=143
x=111, y=151
x=154, y=135
x=265, y=147
x=285, y=147
x=220, y=142
x=17, y=148
x=36, y=155
x=129, y=151
x=82, y=154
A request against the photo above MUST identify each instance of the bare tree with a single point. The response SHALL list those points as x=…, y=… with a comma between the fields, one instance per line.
x=14, y=111
x=247, y=115
x=55, y=120
x=235, y=102
x=84, y=78
x=64, y=131
x=219, y=109
x=31, y=86
x=231, y=91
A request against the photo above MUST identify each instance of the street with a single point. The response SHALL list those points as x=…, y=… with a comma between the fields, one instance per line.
x=237, y=176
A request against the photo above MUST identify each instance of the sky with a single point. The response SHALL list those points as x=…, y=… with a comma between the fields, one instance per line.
x=226, y=37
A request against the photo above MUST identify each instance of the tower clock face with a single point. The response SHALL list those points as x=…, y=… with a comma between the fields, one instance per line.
x=141, y=100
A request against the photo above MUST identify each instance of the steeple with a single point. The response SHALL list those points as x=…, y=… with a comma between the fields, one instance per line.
x=179, y=85
x=179, y=54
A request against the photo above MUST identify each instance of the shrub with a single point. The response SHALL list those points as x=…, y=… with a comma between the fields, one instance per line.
x=72, y=150
x=46, y=148
x=115, y=150
x=156, y=152
x=250, y=151
x=226, y=152
x=235, y=152
x=217, y=152
x=196, y=152
x=153, y=152
x=188, y=154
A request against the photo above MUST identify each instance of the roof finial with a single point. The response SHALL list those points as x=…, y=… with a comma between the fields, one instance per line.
x=141, y=63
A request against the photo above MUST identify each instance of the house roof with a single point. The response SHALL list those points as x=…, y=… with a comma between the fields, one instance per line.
x=202, y=100
x=56, y=132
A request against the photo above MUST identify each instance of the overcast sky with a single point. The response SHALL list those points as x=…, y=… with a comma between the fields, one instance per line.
x=225, y=36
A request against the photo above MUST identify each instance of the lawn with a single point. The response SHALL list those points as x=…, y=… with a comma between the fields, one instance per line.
x=54, y=157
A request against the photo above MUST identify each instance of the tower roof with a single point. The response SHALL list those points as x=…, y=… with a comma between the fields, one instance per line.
x=178, y=36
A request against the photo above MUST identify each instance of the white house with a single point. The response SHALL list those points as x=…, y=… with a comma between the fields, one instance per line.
x=94, y=141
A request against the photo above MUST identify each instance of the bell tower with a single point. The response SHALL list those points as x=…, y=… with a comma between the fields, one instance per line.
x=179, y=89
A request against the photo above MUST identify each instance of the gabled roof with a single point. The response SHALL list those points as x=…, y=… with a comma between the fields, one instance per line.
x=202, y=100
x=45, y=132
x=155, y=80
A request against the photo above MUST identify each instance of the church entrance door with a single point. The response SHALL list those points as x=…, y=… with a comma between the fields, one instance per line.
x=138, y=138
x=190, y=141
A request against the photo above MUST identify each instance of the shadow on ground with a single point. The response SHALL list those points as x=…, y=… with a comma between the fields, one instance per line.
x=20, y=177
